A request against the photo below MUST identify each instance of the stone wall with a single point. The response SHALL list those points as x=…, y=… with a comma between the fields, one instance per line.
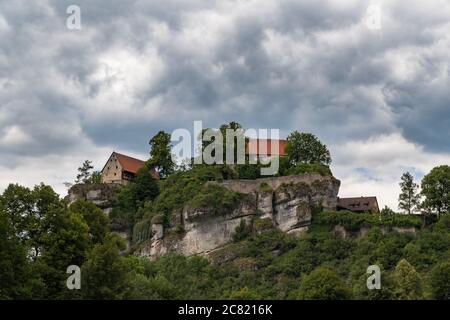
x=314, y=180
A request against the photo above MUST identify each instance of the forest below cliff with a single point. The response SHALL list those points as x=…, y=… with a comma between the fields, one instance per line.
x=41, y=235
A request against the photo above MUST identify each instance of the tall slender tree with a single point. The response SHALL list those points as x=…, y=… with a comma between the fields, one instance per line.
x=409, y=198
x=84, y=172
x=161, y=155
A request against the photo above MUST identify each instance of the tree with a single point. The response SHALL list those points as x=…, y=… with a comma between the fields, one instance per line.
x=160, y=154
x=65, y=242
x=96, y=177
x=306, y=148
x=323, y=284
x=144, y=186
x=386, y=211
x=244, y=294
x=408, y=284
x=44, y=200
x=95, y=218
x=440, y=281
x=84, y=173
x=105, y=274
x=238, y=137
x=436, y=190
x=409, y=198
x=18, y=204
x=14, y=266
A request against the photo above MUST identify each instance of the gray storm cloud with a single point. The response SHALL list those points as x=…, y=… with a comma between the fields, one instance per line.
x=137, y=67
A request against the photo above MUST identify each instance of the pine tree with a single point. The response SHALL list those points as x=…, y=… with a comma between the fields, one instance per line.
x=409, y=198
x=84, y=175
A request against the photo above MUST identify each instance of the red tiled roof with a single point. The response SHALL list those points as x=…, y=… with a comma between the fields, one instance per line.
x=359, y=204
x=128, y=163
x=252, y=147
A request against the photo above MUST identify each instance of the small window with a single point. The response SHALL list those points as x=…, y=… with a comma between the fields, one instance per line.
x=115, y=174
x=108, y=168
x=117, y=167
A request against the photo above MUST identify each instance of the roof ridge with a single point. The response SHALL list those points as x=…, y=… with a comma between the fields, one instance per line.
x=124, y=155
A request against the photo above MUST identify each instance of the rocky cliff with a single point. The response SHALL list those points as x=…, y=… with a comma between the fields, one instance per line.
x=101, y=195
x=286, y=203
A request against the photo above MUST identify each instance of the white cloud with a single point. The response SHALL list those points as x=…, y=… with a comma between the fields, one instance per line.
x=374, y=166
x=378, y=99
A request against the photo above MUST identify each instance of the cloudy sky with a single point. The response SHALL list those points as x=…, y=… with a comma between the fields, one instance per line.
x=378, y=97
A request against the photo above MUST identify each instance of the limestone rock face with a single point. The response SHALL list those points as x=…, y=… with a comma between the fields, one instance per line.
x=265, y=204
x=101, y=195
x=288, y=202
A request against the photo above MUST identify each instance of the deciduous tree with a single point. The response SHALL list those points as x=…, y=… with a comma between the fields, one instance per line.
x=306, y=148
x=160, y=154
x=409, y=198
x=436, y=190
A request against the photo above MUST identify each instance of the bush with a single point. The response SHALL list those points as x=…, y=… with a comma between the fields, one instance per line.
x=323, y=284
x=354, y=221
x=244, y=294
x=242, y=231
x=248, y=171
x=301, y=168
x=214, y=197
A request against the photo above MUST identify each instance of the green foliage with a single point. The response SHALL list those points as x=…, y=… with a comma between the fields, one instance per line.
x=323, y=284
x=15, y=271
x=435, y=189
x=217, y=140
x=244, y=294
x=84, y=173
x=105, y=274
x=142, y=231
x=248, y=171
x=306, y=148
x=96, y=220
x=96, y=177
x=386, y=211
x=144, y=187
x=134, y=200
x=409, y=199
x=18, y=203
x=124, y=205
x=160, y=154
x=65, y=243
x=182, y=188
x=40, y=237
x=217, y=199
x=243, y=230
x=408, y=284
x=440, y=281
x=286, y=168
x=353, y=221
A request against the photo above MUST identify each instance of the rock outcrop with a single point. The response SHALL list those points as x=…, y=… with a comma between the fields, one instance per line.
x=102, y=195
x=286, y=203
